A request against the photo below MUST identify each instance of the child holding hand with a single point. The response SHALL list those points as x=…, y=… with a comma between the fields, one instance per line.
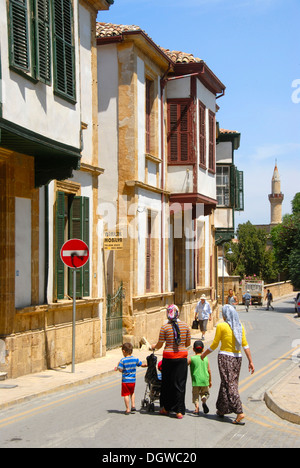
x=201, y=377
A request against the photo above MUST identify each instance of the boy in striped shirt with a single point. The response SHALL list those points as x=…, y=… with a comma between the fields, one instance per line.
x=127, y=366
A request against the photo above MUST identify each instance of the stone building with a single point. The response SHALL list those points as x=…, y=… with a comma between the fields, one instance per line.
x=48, y=133
x=158, y=192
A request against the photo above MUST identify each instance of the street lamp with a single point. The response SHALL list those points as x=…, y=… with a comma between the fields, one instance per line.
x=223, y=268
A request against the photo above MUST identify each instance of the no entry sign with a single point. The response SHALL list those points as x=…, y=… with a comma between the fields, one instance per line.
x=74, y=253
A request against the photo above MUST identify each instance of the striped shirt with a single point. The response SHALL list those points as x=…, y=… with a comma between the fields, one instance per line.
x=172, y=350
x=128, y=367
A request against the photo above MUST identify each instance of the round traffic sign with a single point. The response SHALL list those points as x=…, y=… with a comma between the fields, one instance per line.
x=74, y=253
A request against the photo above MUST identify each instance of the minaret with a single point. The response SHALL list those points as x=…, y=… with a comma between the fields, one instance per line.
x=276, y=198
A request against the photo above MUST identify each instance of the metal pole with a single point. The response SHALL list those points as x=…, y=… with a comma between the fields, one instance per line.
x=74, y=320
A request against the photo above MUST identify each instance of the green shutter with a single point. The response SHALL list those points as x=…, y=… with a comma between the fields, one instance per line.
x=18, y=33
x=85, y=238
x=75, y=232
x=79, y=229
x=64, y=53
x=239, y=190
x=42, y=40
x=60, y=236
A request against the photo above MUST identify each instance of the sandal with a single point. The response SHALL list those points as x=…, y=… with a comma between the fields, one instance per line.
x=179, y=415
x=239, y=421
x=164, y=412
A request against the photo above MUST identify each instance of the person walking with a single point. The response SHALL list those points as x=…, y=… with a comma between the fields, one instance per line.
x=231, y=298
x=231, y=334
x=269, y=299
x=127, y=366
x=201, y=377
x=176, y=335
x=203, y=314
x=247, y=299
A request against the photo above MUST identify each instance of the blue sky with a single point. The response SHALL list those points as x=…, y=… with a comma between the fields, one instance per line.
x=253, y=48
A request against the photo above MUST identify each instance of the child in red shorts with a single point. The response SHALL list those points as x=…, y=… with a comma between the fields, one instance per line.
x=127, y=366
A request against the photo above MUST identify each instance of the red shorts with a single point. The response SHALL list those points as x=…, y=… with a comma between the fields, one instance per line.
x=127, y=388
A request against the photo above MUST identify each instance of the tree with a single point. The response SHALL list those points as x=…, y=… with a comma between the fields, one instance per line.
x=286, y=244
x=250, y=255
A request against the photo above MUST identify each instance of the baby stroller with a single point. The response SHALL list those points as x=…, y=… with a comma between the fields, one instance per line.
x=153, y=387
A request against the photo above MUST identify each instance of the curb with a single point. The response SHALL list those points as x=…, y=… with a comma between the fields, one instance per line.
x=281, y=412
x=274, y=406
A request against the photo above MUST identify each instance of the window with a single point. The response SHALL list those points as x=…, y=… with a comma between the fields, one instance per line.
x=212, y=142
x=180, y=134
x=35, y=26
x=230, y=187
x=202, y=139
x=72, y=221
x=223, y=185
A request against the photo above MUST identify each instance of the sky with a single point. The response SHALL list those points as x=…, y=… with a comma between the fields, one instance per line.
x=253, y=48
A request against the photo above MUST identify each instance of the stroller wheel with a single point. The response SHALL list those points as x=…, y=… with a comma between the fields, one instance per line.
x=151, y=407
x=145, y=402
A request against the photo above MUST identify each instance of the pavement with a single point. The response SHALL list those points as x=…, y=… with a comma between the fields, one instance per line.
x=282, y=397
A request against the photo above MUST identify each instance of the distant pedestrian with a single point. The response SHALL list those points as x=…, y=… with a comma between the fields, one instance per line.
x=201, y=377
x=247, y=299
x=231, y=299
x=269, y=299
x=203, y=314
x=232, y=336
x=127, y=366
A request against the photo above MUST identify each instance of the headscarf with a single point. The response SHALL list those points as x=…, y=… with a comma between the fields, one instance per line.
x=232, y=318
x=173, y=314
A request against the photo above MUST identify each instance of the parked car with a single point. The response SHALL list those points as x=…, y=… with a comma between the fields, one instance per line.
x=297, y=304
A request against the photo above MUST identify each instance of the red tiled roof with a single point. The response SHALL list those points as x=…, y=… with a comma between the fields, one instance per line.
x=104, y=30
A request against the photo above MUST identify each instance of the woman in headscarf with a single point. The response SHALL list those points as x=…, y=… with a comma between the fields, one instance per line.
x=177, y=336
x=232, y=336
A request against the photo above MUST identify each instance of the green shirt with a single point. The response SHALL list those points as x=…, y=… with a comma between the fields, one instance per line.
x=199, y=371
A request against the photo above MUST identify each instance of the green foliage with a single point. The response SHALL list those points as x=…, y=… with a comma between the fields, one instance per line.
x=286, y=244
x=250, y=255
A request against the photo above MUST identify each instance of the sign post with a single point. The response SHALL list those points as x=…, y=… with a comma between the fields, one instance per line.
x=74, y=253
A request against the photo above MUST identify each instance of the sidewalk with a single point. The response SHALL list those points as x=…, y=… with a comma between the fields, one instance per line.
x=282, y=398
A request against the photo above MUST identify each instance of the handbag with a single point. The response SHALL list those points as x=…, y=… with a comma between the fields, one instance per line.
x=195, y=325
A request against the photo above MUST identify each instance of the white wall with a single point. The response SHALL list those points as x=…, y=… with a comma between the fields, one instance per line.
x=34, y=105
x=224, y=152
x=108, y=74
x=86, y=83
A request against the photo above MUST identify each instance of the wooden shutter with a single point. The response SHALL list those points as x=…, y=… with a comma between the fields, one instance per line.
x=79, y=229
x=86, y=239
x=64, y=59
x=18, y=31
x=75, y=232
x=60, y=238
x=239, y=191
x=148, y=255
x=42, y=37
x=202, y=131
x=179, y=131
x=212, y=141
x=148, y=115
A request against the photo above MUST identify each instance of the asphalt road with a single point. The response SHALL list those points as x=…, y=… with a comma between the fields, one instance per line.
x=92, y=416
